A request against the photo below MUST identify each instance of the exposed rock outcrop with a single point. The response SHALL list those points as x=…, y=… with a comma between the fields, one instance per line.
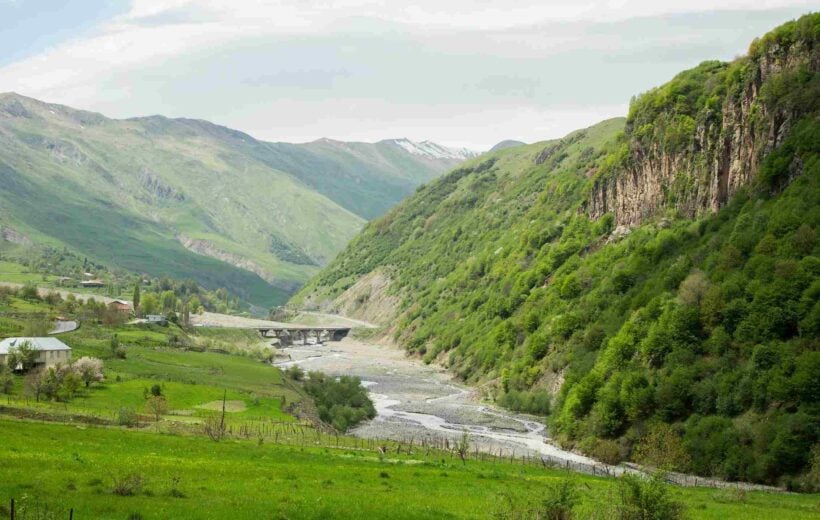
x=206, y=248
x=10, y=235
x=723, y=154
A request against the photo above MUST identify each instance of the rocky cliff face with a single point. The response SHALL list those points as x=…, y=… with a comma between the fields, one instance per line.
x=731, y=132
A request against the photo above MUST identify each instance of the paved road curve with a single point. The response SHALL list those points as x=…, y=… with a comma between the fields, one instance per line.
x=61, y=327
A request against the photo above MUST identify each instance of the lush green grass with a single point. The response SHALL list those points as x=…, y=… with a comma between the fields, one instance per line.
x=74, y=467
x=16, y=273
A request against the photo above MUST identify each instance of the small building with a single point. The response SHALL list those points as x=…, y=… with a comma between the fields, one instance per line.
x=51, y=351
x=156, y=319
x=92, y=283
x=66, y=281
x=121, y=306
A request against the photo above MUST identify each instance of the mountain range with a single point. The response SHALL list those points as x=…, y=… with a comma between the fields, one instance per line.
x=190, y=199
x=651, y=282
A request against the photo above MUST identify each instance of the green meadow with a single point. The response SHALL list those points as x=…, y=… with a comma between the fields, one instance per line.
x=64, y=466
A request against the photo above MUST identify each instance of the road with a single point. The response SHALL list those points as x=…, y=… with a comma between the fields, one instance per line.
x=61, y=327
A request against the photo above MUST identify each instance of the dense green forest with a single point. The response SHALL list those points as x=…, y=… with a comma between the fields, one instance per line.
x=694, y=330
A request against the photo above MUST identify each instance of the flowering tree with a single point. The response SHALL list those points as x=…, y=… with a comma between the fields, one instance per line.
x=89, y=369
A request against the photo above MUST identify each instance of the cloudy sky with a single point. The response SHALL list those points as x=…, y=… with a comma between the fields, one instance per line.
x=459, y=72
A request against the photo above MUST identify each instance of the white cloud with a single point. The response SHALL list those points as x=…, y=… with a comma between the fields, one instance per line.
x=458, y=71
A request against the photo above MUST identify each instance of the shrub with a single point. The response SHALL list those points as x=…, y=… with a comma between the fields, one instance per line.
x=127, y=485
x=559, y=501
x=127, y=417
x=295, y=373
x=641, y=498
x=342, y=403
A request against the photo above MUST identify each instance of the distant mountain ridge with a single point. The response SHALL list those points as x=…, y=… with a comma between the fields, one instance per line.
x=189, y=198
x=432, y=150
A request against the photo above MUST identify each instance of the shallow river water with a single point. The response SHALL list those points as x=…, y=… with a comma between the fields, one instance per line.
x=416, y=401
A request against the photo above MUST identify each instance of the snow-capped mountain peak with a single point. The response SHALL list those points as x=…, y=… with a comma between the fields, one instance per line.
x=432, y=150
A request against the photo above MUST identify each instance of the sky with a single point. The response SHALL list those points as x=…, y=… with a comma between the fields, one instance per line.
x=457, y=72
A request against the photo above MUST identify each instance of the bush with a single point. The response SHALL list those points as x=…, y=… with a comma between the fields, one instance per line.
x=342, y=403
x=127, y=485
x=295, y=373
x=127, y=417
x=557, y=503
x=641, y=498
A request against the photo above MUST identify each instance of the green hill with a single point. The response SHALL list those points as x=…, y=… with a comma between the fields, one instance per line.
x=653, y=283
x=188, y=199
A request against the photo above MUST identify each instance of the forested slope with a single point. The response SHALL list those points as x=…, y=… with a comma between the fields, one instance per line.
x=650, y=282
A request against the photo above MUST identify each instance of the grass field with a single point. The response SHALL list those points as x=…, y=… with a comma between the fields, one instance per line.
x=17, y=273
x=190, y=379
x=193, y=477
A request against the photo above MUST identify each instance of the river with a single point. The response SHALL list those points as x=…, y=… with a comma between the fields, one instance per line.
x=416, y=401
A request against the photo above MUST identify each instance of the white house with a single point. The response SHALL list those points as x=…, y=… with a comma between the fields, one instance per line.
x=50, y=350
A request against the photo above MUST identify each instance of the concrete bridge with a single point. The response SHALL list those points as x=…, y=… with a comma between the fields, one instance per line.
x=289, y=335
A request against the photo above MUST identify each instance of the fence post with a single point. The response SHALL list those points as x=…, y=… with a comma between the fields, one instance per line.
x=71, y=514
x=12, y=509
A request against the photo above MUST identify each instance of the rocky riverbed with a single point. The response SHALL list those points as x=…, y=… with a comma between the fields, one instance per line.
x=415, y=401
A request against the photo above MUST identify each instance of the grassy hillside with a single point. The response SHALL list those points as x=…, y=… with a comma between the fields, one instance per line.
x=695, y=337
x=189, y=199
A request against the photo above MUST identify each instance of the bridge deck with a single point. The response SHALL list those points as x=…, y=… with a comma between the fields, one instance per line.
x=290, y=332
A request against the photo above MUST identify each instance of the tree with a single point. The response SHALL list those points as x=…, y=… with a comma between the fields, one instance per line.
x=215, y=426
x=157, y=406
x=50, y=381
x=6, y=379
x=69, y=382
x=169, y=301
x=36, y=327
x=136, y=298
x=662, y=448
x=89, y=369
x=195, y=305
x=23, y=356
x=149, y=304
x=463, y=446
x=34, y=384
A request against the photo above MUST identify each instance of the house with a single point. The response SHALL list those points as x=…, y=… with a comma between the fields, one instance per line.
x=50, y=350
x=92, y=283
x=121, y=306
x=156, y=319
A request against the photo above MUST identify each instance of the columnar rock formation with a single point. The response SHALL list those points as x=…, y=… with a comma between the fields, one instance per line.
x=730, y=139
